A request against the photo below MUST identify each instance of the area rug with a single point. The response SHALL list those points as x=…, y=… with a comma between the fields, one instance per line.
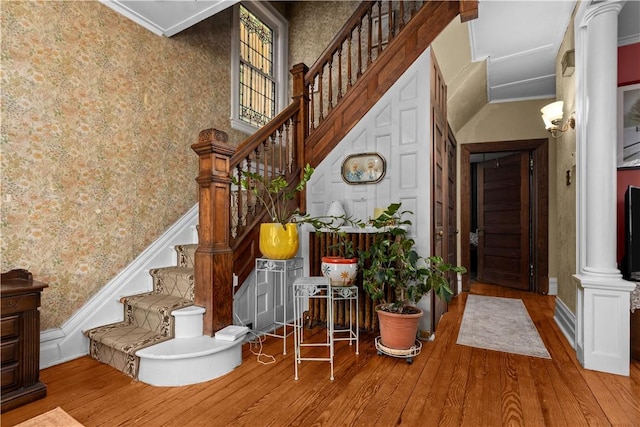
x=501, y=324
x=54, y=418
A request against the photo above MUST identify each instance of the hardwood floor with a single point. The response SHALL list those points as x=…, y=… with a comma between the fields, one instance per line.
x=447, y=384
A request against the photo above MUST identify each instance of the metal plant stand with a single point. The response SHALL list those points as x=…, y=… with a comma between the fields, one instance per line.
x=281, y=275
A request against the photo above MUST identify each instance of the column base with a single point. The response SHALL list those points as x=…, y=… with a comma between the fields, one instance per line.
x=603, y=315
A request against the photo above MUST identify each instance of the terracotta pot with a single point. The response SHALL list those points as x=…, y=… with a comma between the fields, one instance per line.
x=278, y=242
x=398, y=331
x=340, y=271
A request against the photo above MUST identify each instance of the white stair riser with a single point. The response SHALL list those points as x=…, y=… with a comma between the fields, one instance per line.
x=188, y=321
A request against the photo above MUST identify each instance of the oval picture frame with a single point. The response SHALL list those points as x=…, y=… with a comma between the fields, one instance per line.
x=363, y=168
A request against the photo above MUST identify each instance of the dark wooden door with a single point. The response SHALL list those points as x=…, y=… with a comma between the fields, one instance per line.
x=503, y=221
x=439, y=210
x=452, y=221
x=439, y=179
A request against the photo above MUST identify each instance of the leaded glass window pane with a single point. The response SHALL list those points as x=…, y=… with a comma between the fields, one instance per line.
x=257, y=82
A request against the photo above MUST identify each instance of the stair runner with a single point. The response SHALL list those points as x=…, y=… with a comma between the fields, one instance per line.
x=147, y=317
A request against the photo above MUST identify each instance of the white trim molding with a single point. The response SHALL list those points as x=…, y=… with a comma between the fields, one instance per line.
x=68, y=342
x=553, y=286
x=566, y=321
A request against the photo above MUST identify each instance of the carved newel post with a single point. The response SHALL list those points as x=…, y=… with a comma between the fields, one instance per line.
x=214, y=258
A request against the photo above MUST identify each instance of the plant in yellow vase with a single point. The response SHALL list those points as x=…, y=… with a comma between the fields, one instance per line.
x=278, y=238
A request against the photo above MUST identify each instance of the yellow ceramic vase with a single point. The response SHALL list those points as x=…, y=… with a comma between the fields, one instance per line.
x=278, y=242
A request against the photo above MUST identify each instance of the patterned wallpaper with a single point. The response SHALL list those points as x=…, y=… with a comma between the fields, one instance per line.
x=97, y=118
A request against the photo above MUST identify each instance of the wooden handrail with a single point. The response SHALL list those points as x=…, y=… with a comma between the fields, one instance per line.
x=418, y=33
x=364, y=37
x=339, y=39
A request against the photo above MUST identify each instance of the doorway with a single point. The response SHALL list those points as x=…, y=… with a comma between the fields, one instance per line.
x=513, y=241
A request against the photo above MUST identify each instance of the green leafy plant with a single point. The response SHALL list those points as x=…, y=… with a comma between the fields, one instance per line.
x=391, y=262
x=274, y=194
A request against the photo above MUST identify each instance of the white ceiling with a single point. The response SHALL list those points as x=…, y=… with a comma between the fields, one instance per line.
x=518, y=38
x=168, y=17
x=520, y=41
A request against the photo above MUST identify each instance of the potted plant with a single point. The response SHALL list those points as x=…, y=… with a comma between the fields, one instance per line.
x=340, y=263
x=392, y=268
x=278, y=238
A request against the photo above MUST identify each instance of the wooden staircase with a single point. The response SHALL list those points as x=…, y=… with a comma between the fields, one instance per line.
x=329, y=98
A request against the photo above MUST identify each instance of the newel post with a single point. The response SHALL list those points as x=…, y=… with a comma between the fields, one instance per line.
x=301, y=96
x=214, y=258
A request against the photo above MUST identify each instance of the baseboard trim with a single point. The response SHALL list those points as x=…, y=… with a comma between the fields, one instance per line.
x=68, y=342
x=566, y=321
x=553, y=286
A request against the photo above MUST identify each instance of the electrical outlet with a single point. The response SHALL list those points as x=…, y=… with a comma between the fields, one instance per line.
x=249, y=325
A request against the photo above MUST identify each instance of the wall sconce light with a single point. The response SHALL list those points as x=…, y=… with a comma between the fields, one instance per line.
x=552, y=117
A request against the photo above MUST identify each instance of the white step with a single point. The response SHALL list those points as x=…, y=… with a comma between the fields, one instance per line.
x=188, y=321
x=184, y=361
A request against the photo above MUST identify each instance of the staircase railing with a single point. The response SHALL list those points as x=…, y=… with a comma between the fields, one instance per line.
x=357, y=45
x=328, y=99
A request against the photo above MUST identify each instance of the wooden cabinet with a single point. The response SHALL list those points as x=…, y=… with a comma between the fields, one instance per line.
x=20, y=339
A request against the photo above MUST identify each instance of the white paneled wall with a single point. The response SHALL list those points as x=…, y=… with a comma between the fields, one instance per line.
x=398, y=128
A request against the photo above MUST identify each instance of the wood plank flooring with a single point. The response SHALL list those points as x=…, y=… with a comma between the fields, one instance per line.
x=447, y=384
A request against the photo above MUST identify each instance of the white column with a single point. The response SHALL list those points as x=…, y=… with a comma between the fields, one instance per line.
x=602, y=333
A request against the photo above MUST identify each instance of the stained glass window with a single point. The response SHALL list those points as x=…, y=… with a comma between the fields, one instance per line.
x=257, y=88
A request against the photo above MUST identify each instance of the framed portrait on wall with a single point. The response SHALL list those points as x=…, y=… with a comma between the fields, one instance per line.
x=363, y=168
x=629, y=126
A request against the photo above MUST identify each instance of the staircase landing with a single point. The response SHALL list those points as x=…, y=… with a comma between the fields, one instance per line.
x=184, y=361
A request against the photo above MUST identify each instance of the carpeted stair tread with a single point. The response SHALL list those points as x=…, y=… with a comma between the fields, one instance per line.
x=155, y=302
x=125, y=337
x=178, y=281
x=186, y=255
x=153, y=311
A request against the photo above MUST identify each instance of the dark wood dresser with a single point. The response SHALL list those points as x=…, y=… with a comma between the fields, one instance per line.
x=20, y=342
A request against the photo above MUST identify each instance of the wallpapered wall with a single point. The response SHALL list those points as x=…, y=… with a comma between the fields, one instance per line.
x=98, y=115
x=565, y=203
x=312, y=26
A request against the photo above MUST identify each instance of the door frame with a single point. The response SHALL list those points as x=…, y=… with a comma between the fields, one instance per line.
x=539, y=206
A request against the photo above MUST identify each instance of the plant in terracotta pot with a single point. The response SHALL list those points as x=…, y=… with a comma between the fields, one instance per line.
x=279, y=237
x=392, y=268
